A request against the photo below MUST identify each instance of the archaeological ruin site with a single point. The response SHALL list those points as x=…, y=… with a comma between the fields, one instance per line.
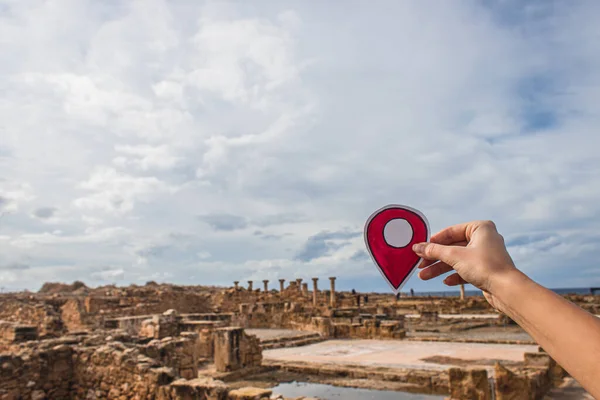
x=250, y=340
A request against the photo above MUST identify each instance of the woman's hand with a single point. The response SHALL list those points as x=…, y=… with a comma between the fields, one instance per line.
x=476, y=251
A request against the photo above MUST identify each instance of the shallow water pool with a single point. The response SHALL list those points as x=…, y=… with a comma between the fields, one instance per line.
x=327, y=392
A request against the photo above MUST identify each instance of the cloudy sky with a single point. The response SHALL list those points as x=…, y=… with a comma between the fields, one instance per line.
x=205, y=142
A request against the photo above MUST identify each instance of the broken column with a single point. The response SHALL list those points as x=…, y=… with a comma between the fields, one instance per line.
x=332, y=293
x=281, y=281
x=462, y=291
x=266, y=283
x=249, y=286
x=299, y=283
x=236, y=283
x=305, y=289
x=315, y=290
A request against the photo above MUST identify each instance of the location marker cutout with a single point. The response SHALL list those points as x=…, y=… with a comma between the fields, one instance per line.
x=390, y=233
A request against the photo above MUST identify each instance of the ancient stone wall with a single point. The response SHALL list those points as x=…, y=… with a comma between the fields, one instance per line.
x=161, y=326
x=469, y=384
x=234, y=350
x=273, y=315
x=530, y=380
x=38, y=313
x=44, y=372
x=538, y=374
x=205, y=331
x=369, y=329
x=98, y=366
x=177, y=353
x=147, y=302
x=12, y=332
x=74, y=316
x=113, y=371
x=56, y=313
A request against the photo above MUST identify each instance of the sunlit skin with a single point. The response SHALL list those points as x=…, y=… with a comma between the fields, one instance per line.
x=476, y=252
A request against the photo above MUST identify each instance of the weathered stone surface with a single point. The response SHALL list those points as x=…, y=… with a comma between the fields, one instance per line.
x=41, y=314
x=469, y=384
x=250, y=393
x=197, y=389
x=508, y=386
x=11, y=332
x=234, y=350
x=160, y=333
x=177, y=353
x=523, y=383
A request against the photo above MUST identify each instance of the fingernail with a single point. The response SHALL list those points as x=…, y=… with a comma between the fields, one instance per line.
x=419, y=247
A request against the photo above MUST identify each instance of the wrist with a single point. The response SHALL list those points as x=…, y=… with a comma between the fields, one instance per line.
x=507, y=287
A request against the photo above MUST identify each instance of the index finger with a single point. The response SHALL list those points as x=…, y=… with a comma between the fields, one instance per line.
x=427, y=263
x=452, y=234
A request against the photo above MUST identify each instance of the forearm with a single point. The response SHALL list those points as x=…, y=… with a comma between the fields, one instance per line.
x=568, y=333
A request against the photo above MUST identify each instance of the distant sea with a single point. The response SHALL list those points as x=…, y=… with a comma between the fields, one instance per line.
x=453, y=293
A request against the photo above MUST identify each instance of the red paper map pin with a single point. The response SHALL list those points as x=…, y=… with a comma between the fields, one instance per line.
x=390, y=234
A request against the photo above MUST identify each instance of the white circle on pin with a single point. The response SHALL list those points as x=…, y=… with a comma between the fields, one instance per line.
x=397, y=232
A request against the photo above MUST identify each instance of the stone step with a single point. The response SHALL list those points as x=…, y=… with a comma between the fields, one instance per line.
x=295, y=342
x=290, y=338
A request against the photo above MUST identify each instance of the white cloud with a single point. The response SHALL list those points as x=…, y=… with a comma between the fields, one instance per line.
x=14, y=195
x=146, y=157
x=121, y=124
x=109, y=275
x=118, y=192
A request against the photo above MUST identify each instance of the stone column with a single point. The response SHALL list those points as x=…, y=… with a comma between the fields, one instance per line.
x=236, y=283
x=299, y=283
x=281, y=281
x=332, y=294
x=305, y=289
x=462, y=291
x=315, y=290
x=249, y=286
x=266, y=283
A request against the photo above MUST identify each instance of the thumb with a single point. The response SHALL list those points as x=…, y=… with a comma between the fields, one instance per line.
x=433, y=251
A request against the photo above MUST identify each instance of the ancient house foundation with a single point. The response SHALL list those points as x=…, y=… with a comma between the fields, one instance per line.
x=121, y=343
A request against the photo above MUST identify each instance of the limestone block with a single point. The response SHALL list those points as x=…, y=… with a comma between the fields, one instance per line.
x=250, y=393
x=198, y=389
x=323, y=326
x=149, y=328
x=235, y=350
x=509, y=386
x=11, y=332
x=469, y=384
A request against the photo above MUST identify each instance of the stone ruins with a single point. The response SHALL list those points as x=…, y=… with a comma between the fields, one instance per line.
x=161, y=341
